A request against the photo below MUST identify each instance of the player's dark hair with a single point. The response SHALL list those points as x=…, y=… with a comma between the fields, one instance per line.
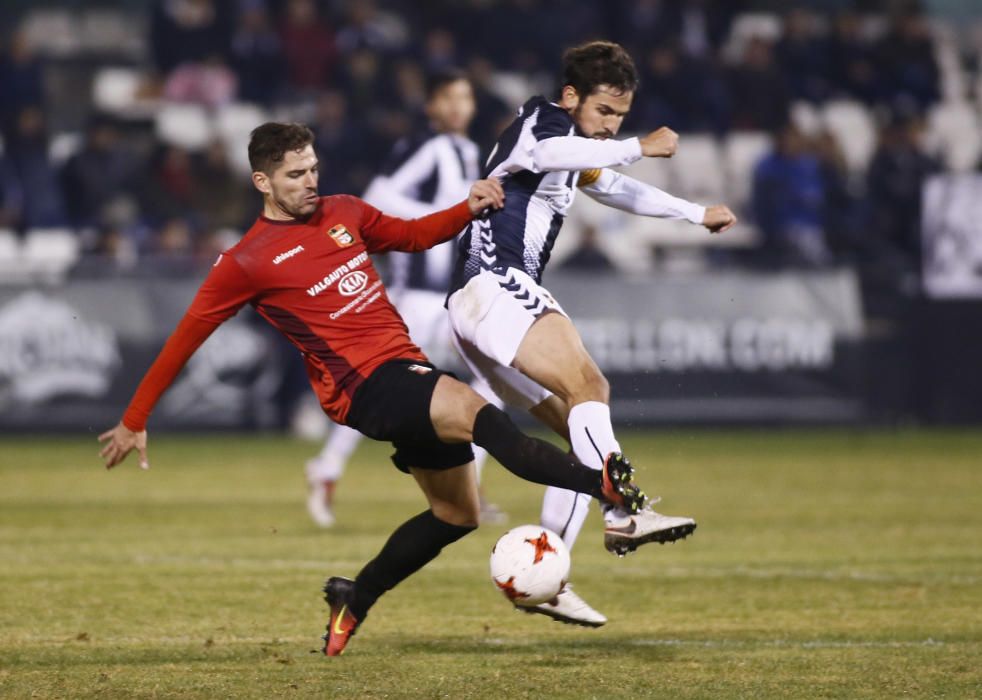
x=269, y=143
x=439, y=79
x=595, y=63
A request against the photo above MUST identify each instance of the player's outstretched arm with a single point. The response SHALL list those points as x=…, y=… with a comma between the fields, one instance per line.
x=119, y=442
x=226, y=289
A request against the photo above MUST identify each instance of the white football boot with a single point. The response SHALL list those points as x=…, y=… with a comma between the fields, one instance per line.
x=625, y=534
x=569, y=608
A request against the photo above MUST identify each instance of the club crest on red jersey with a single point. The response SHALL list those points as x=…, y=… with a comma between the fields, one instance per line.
x=341, y=235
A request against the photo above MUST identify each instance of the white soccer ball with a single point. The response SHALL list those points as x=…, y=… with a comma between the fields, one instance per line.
x=530, y=564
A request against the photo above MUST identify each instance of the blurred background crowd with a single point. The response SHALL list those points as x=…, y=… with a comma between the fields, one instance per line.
x=124, y=124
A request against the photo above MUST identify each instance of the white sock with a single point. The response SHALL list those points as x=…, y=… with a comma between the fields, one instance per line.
x=592, y=437
x=563, y=512
x=485, y=390
x=330, y=463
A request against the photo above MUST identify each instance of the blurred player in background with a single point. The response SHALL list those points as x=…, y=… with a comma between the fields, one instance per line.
x=511, y=331
x=304, y=266
x=426, y=173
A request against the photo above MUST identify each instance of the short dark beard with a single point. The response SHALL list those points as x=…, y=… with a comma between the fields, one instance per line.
x=577, y=111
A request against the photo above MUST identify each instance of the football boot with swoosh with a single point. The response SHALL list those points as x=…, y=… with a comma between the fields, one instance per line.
x=339, y=593
x=569, y=608
x=626, y=534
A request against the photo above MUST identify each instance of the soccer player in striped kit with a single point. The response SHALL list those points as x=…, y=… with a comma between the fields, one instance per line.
x=508, y=327
x=427, y=172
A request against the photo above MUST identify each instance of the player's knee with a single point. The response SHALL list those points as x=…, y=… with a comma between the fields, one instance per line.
x=601, y=387
x=453, y=409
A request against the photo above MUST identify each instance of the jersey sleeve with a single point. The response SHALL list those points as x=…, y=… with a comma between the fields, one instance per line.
x=383, y=233
x=581, y=153
x=224, y=291
x=627, y=194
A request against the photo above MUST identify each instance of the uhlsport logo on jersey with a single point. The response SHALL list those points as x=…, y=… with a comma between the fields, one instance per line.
x=287, y=255
x=352, y=283
x=341, y=235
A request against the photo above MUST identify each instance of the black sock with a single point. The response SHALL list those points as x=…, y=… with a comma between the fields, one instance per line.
x=416, y=542
x=530, y=458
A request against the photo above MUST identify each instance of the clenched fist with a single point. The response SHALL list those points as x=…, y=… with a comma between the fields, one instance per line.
x=660, y=143
x=718, y=218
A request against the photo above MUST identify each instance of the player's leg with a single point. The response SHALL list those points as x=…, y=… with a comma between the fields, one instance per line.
x=521, y=392
x=432, y=418
x=459, y=414
x=552, y=353
x=563, y=511
x=453, y=513
x=511, y=320
x=325, y=470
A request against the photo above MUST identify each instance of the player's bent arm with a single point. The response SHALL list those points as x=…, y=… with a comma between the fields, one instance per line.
x=627, y=194
x=580, y=153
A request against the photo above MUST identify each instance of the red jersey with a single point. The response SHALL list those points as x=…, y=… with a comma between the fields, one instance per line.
x=314, y=282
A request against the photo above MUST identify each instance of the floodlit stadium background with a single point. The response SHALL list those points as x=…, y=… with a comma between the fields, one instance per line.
x=846, y=135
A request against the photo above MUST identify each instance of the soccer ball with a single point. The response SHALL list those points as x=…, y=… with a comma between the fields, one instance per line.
x=529, y=564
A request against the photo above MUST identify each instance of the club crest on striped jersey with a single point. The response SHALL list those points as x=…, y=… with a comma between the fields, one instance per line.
x=341, y=235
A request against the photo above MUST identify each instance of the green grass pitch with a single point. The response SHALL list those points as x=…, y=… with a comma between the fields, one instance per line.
x=826, y=564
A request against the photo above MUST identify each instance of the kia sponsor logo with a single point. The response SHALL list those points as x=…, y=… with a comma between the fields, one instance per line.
x=352, y=283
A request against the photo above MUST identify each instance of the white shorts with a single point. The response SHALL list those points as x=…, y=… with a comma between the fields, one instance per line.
x=489, y=318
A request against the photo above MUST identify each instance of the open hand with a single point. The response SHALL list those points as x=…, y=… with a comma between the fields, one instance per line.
x=119, y=442
x=718, y=218
x=484, y=194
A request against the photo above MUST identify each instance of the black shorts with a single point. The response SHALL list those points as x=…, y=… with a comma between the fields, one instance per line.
x=393, y=405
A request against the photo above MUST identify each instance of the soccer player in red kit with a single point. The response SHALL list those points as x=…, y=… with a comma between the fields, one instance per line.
x=304, y=267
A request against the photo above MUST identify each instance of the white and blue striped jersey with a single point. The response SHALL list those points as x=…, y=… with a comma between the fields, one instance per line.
x=426, y=173
x=539, y=159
